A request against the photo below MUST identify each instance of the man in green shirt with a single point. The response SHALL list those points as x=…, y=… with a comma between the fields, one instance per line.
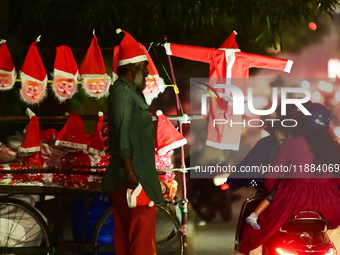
x=132, y=147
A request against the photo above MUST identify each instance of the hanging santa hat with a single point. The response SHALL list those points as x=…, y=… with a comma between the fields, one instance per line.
x=72, y=134
x=167, y=137
x=96, y=143
x=32, y=136
x=33, y=77
x=154, y=83
x=92, y=71
x=130, y=51
x=137, y=197
x=65, y=74
x=7, y=69
x=230, y=43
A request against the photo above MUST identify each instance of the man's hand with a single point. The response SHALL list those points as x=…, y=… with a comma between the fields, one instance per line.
x=131, y=177
x=132, y=180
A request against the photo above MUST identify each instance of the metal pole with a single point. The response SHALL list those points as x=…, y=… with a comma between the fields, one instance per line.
x=182, y=158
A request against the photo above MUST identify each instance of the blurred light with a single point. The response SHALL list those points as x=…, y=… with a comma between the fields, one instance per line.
x=333, y=69
x=329, y=87
x=337, y=96
x=330, y=252
x=322, y=85
x=283, y=252
x=305, y=84
x=317, y=97
x=312, y=26
x=224, y=186
x=260, y=102
x=337, y=131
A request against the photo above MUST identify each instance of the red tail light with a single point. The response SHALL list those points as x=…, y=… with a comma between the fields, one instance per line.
x=224, y=186
x=331, y=251
x=282, y=251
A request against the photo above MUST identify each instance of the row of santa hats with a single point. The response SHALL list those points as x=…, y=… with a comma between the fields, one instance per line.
x=92, y=66
x=72, y=135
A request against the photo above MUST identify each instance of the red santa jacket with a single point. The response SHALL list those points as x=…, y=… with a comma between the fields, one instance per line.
x=226, y=62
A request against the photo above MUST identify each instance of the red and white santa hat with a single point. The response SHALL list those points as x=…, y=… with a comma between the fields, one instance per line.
x=32, y=136
x=137, y=197
x=96, y=145
x=6, y=66
x=93, y=67
x=167, y=137
x=65, y=66
x=153, y=81
x=129, y=50
x=230, y=43
x=72, y=134
x=33, y=69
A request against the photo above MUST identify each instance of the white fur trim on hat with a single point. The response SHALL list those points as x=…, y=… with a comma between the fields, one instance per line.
x=132, y=60
x=172, y=146
x=132, y=194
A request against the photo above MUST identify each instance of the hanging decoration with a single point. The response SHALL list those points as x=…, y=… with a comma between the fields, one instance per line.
x=65, y=75
x=7, y=68
x=167, y=137
x=226, y=63
x=92, y=71
x=154, y=83
x=33, y=77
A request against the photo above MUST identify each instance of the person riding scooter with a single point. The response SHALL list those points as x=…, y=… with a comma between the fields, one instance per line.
x=309, y=183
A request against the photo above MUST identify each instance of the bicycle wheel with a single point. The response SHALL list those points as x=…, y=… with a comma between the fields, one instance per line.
x=22, y=228
x=169, y=240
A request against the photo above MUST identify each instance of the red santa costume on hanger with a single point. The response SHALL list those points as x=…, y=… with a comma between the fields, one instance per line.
x=225, y=63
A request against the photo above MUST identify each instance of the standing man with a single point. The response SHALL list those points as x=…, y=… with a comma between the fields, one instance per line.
x=132, y=147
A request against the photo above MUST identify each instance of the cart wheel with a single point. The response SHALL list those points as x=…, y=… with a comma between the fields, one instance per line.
x=169, y=240
x=22, y=228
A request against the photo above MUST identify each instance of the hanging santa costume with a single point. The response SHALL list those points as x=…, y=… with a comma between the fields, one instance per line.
x=7, y=68
x=225, y=63
x=92, y=71
x=65, y=74
x=33, y=77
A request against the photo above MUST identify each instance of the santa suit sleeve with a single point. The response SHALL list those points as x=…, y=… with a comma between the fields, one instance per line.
x=267, y=62
x=195, y=53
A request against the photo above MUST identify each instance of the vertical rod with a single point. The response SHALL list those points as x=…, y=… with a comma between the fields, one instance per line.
x=182, y=157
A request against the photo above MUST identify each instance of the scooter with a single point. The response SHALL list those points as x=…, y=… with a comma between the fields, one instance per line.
x=305, y=233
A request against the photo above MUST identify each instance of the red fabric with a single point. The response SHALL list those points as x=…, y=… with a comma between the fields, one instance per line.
x=239, y=63
x=135, y=228
x=294, y=195
x=6, y=62
x=93, y=62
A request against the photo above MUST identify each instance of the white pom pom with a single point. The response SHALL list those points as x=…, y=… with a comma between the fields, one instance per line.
x=118, y=30
x=235, y=32
x=67, y=114
x=159, y=112
x=100, y=114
